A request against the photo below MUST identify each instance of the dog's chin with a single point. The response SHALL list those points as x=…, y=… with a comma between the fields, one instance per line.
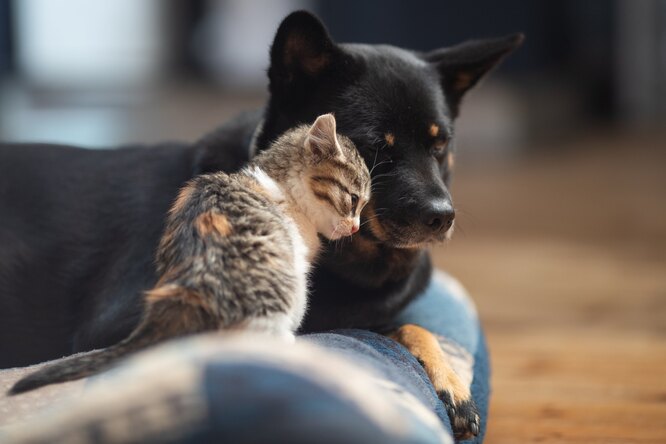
x=411, y=244
x=409, y=239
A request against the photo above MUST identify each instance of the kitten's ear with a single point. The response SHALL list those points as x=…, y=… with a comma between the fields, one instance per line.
x=321, y=140
x=462, y=66
x=302, y=48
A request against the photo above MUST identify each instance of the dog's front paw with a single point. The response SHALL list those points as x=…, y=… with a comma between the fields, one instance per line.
x=455, y=395
x=463, y=414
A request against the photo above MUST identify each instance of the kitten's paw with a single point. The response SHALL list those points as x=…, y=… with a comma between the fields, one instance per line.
x=464, y=416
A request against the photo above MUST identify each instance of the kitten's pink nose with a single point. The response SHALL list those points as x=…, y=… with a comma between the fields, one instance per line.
x=354, y=228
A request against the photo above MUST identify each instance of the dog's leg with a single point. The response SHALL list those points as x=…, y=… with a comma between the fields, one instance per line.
x=454, y=394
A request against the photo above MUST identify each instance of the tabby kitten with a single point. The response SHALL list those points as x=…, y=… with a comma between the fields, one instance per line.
x=237, y=248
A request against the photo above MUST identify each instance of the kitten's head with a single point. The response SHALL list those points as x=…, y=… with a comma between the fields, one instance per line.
x=336, y=180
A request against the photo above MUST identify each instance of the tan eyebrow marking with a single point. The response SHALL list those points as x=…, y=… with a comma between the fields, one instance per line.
x=434, y=130
x=390, y=139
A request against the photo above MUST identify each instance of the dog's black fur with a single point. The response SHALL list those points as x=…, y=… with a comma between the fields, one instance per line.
x=79, y=228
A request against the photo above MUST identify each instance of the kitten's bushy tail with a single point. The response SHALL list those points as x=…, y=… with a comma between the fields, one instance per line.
x=164, y=319
x=80, y=366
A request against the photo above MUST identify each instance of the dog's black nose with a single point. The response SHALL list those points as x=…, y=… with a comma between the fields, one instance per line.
x=438, y=215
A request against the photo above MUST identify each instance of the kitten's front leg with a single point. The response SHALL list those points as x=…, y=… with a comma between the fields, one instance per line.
x=451, y=390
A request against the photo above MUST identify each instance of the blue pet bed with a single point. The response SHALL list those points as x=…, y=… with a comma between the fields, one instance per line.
x=344, y=386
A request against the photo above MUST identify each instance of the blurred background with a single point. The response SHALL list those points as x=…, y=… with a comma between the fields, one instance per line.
x=560, y=182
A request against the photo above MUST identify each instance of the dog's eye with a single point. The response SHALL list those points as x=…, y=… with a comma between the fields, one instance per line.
x=439, y=147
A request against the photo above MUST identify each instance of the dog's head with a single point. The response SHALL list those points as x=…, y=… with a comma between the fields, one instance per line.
x=397, y=106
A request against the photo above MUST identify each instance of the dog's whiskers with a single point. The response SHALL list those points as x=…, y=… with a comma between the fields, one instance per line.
x=379, y=176
x=380, y=163
x=374, y=162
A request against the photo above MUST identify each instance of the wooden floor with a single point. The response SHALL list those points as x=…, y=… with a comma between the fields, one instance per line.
x=565, y=256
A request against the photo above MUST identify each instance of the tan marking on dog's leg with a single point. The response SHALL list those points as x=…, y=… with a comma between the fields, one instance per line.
x=424, y=346
x=426, y=349
x=210, y=222
x=450, y=160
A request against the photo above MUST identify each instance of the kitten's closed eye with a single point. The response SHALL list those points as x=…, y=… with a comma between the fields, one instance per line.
x=354, y=200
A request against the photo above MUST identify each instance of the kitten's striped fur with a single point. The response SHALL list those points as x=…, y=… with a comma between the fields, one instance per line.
x=237, y=248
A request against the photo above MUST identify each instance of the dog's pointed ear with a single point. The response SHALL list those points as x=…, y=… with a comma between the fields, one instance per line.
x=462, y=66
x=302, y=47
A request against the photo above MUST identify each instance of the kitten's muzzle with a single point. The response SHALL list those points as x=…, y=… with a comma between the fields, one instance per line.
x=344, y=228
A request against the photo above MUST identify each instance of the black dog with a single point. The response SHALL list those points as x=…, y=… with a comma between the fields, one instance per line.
x=79, y=228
